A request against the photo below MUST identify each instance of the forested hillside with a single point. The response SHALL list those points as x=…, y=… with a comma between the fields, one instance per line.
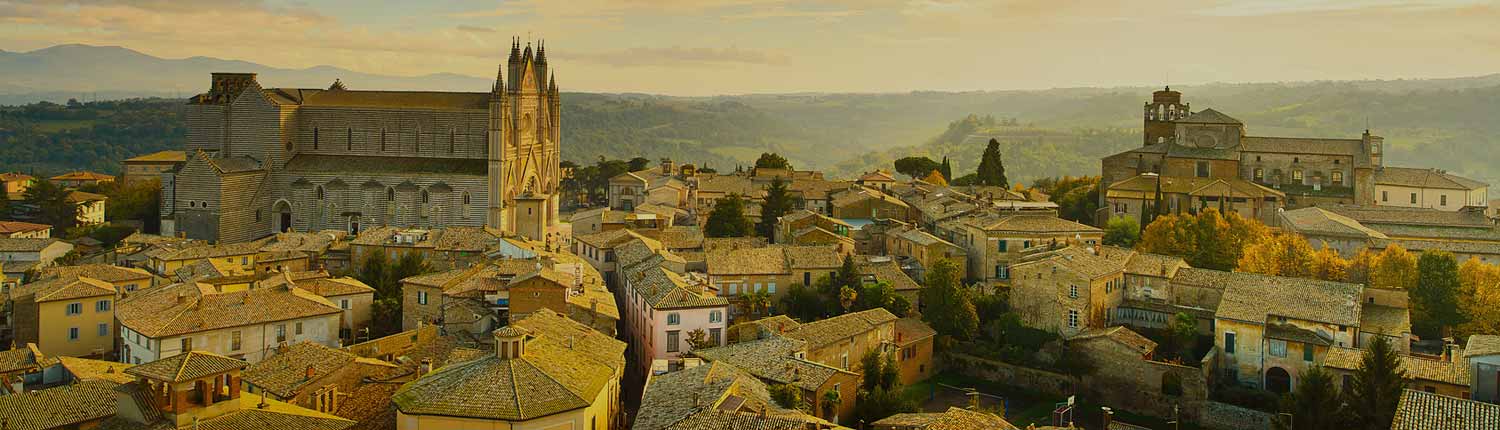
x=1427, y=123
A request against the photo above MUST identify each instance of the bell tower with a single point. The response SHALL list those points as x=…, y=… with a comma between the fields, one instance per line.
x=524, y=156
x=1161, y=113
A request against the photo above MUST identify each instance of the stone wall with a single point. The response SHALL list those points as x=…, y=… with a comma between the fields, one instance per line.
x=1224, y=416
x=1050, y=383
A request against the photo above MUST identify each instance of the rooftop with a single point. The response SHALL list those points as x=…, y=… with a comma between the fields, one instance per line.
x=1419, y=410
x=1254, y=298
x=103, y=272
x=8, y=244
x=83, y=176
x=186, y=367
x=63, y=288
x=59, y=407
x=1482, y=344
x=773, y=359
x=160, y=157
x=718, y=389
x=287, y=372
x=12, y=227
x=1425, y=178
x=828, y=331
x=181, y=308
x=952, y=419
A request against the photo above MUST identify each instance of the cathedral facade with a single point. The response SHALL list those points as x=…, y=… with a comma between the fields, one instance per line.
x=266, y=160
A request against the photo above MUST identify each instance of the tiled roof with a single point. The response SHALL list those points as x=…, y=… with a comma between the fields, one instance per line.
x=1386, y=320
x=564, y=367
x=878, y=175
x=1029, y=223
x=1209, y=116
x=828, y=331
x=1420, y=410
x=1425, y=178
x=8, y=244
x=13, y=176
x=1305, y=145
x=712, y=244
x=888, y=270
x=909, y=330
x=285, y=373
x=717, y=419
x=439, y=100
x=1080, y=260
x=63, y=288
x=1448, y=372
x=681, y=237
x=186, y=367
x=1482, y=344
x=87, y=369
x=102, y=272
x=1121, y=334
x=772, y=360
x=953, y=419
x=1318, y=221
x=214, y=251
x=747, y=261
x=182, y=308
x=1185, y=151
x=1144, y=186
x=664, y=289
x=258, y=419
x=812, y=256
x=386, y=165
x=1297, y=334
x=612, y=238
x=10, y=227
x=163, y=156
x=1253, y=298
x=238, y=164
x=59, y=407
x=676, y=399
x=25, y=358
x=1369, y=215
x=329, y=287
x=83, y=176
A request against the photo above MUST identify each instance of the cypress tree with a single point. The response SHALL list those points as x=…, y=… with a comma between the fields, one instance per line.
x=991, y=168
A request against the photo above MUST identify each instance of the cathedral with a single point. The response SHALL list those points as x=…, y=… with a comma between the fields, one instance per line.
x=265, y=160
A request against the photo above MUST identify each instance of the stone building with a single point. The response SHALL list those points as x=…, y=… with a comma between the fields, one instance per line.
x=1180, y=143
x=263, y=160
x=149, y=167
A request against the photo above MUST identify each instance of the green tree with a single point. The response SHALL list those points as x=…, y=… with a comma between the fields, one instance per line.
x=787, y=395
x=946, y=168
x=770, y=160
x=48, y=203
x=375, y=273
x=1434, y=302
x=777, y=203
x=728, y=218
x=1184, y=329
x=916, y=167
x=948, y=308
x=1315, y=404
x=757, y=301
x=992, y=167
x=869, y=367
x=804, y=303
x=1122, y=231
x=638, y=164
x=697, y=339
x=1377, y=386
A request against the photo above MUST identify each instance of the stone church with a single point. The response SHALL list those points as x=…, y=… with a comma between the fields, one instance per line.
x=1207, y=159
x=265, y=160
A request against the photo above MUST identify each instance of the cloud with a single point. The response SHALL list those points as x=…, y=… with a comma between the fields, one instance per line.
x=473, y=29
x=647, y=57
x=1280, y=7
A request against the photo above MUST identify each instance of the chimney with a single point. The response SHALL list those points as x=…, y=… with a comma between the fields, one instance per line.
x=308, y=374
x=425, y=367
x=182, y=298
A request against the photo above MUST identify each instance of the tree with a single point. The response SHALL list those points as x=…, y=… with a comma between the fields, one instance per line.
x=1122, y=231
x=1360, y=267
x=991, y=167
x=777, y=203
x=1377, y=386
x=946, y=169
x=880, y=390
x=638, y=164
x=881, y=295
x=48, y=203
x=1481, y=292
x=757, y=300
x=1284, y=254
x=1434, y=301
x=697, y=340
x=869, y=367
x=787, y=395
x=770, y=160
x=804, y=303
x=1394, y=268
x=375, y=274
x=949, y=309
x=728, y=218
x=1328, y=266
x=1184, y=329
x=916, y=167
x=1315, y=404
x=847, y=296
x=1205, y=240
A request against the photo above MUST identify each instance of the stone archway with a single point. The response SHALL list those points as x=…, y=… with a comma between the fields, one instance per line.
x=1278, y=380
x=282, y=222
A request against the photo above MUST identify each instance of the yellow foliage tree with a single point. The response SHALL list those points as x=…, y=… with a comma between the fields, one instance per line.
x=1328, y=266
x=1281, y=255
x=1394, y=268
x=1360, y=266
x=1206, y=239
x=1480, y=292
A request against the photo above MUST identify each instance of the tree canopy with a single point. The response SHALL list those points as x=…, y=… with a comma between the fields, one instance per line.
x=1434, y=301
x=916, y=167
x=770, y=160
x=777, y=203
x=991, y=168
x=1205, y=240
x=728, y=218
x=948, y=307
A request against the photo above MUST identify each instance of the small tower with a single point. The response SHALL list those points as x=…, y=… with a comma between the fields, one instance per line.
x=510, y=342
x=1165, y=108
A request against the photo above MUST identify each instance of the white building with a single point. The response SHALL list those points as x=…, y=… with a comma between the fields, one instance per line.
x=246, y=324
x=1428, y=188
x=663, y=308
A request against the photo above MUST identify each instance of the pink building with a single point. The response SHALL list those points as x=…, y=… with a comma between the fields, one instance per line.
x=662, y=309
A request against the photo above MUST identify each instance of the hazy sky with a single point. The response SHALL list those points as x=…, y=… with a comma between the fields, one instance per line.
x=697, y=47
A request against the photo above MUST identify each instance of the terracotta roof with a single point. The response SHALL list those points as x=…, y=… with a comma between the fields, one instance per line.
x=812, y=256
x=910, y=330
x=1425, y=178
x=186, y=367
x=1386, y=320
x=13, y=176
x=1420, y=410
x=664, y=289
x=828, y=331
x=257, y=419
x=1482, y=344
x=1448, y=372
x=1318, y=221
x=26, y=358
x=1029, y=223
x=953, y=419
x=712, y=244
x=1306, y=145
x=1080, y=260
x=1369, y=215
x=8, y=244
x=1144, y=187
x=772, y=360
x=103, y=272
x=213, y=251
x=59, y=407
x=285, y=373
x=83, y=176
x=157, y=157
x=747, y=261
x=63, y=288
x=182, y=308
x=87, y=369
x=11, y=227
x=726, y=394
x=1121, y=334
x=888, y=270
x=330, y=287
x=561, y=370
x=681, y=237
x=877, y=176
x=1254, y=298
x=386, y=165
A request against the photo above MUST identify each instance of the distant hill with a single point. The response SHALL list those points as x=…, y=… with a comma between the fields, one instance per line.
x=1445, y=123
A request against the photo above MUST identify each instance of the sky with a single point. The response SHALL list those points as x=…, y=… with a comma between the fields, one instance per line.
x=707, y=47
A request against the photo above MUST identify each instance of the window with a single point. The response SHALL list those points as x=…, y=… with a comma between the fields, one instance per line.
x=1338, y=177
x=349, y=138
x=466, y=197
x=1413, y=198
x=672, y=341
x=1297, y=174
x=75, y=308
x=315, y=138
x=321, y=193
x=1385, y=196
x=72, y=333
x=344, y=304
x=452, y=141
x=1442, y=200
x=103, y=329
x=234, y=340
x=187, y=344
x=1002, y=272
x=1259, y=173
x=1278, y=348
x=299, y=327
x=390, y=194
x=806, y=278
x=1228, y=343
x=771, y=288
x=715, y=316
x=101, y=306
x=714, y=334
x=734, y=289
x=844, y=361
x=1000, y=245
x=382, y=139
x=1025, y=244
x=281, y=333
x=426, y=198
x=1307, y=352
x=1202, y=169
x=674, y=319
x=421, y=297
x=1072, y=318
x=1072, y=291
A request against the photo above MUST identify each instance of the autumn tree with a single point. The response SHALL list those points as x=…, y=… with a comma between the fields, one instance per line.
x=948, y=308
x=1434, y=301
x=1480, y=284
x=728, y=218
x=1205, y=240
x=1284, y=254
x=1394, y=268
x=1360, y=267
x=1329, y=266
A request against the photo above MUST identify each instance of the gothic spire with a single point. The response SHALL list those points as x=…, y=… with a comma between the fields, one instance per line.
x=541, y=51
x=552, y=83
x=515, y=49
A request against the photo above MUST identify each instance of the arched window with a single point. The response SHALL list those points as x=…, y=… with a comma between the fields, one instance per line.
x=349, y=138
x=390, y=194
x=466, y=197
x=320, y=192
x=425, y=199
